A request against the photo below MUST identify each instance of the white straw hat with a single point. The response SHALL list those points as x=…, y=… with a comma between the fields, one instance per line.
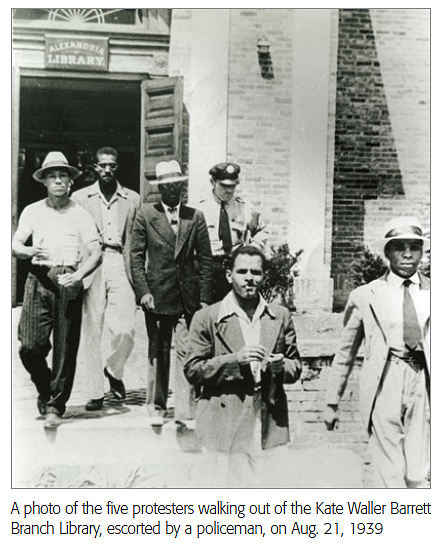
x=405, y=227
x=55, y=159
x=168, y=172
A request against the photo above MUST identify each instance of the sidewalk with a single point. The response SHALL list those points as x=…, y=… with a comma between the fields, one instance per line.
x=117, y=448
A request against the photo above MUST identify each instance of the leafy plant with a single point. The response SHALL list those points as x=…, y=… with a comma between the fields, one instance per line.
x=367, y=266
x=425, y=265
x=280, y=274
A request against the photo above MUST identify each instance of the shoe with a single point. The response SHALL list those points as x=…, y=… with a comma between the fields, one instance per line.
x=156, y=421
x=187, y=424
x=117, y=386
x=41, y=405
x=53, y=420
x=94, y=404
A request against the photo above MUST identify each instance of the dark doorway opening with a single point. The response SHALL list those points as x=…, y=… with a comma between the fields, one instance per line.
x=76, y=116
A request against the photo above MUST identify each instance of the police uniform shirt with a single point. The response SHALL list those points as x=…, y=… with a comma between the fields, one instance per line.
x=242, y=220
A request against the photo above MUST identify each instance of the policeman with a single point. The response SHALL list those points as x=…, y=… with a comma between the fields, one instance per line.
x=231, y=221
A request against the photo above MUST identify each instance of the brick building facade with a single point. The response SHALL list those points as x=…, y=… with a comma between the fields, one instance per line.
x=332, y=144
x=330, y=125
x=381, y=165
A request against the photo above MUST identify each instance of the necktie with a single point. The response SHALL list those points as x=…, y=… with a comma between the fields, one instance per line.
x=224, y=229
x=412, y=330
x=173, y=219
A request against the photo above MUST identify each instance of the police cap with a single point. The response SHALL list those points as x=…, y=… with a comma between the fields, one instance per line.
x=225, y=172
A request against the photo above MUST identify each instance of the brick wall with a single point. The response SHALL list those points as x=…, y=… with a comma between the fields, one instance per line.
x=306, y=400
x=260, y=112
x=382, y=131
x=378, y=163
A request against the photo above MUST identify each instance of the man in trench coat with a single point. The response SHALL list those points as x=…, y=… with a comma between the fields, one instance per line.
x=241, y=352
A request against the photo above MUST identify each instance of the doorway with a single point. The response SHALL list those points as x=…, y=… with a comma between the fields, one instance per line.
x=75, y=116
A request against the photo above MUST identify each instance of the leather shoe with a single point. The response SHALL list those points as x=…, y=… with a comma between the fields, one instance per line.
x=41, y=405
x=156, y=421
x=94, y=404
x=52, y=420
x=117, y=386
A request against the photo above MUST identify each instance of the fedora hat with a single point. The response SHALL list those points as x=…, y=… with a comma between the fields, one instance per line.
x=402, y=228
x=168, y=172
x=55, y=159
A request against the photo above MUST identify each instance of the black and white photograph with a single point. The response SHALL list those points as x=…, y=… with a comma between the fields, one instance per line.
x=220, y=248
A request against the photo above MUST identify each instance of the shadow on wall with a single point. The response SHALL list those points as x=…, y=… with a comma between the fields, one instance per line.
x=366, y=161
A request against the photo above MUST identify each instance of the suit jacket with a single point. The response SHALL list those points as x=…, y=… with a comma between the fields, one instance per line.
x=366, y=319
x=179, y=266
x=225, y=414
x=128, y=202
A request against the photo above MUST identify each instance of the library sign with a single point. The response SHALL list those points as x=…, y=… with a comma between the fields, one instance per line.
x=67, y=53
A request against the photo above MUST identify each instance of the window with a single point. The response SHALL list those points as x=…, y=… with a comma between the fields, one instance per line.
x=109, y=19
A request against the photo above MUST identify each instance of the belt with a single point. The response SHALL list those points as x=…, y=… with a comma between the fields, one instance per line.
x=115, y=248
x=49, y=265
x=416, y=360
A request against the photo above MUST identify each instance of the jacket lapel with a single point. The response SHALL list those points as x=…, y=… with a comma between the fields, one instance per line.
x=161, y=225
x=185, y=225
x=229, y=333
x=270, y=328
x=378, y=306
x=95, y=206
x=425, y=285
x=123, y=208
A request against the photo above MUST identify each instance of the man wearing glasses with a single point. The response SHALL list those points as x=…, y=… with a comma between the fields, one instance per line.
x=109, y=299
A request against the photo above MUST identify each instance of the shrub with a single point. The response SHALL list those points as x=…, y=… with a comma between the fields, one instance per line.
x=367, y=266
x=280, y=274
x=425, y=266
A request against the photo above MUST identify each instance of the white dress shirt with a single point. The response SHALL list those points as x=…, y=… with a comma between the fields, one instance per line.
x=395, y=300
x=109, y=213
x=250, y=329
x=173, y=215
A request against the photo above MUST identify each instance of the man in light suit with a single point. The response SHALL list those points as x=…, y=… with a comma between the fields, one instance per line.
x=241, y=352
x=178, y=277
x=392, y=316
x=109, y=298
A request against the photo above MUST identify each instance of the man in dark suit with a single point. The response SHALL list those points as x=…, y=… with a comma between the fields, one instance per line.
x=175, y=239
x=241, y=352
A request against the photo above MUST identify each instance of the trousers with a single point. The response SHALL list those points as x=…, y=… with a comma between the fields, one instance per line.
x=220, y=285
x=160, y=328
x=49, y=308
x=185, y=394
x=399, y=443
x=109, y=310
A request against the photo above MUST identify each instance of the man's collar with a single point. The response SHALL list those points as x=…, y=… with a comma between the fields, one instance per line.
x=95, y=189
x=396, y=280
x=167, y=207
x=229, y=306
x=219, y=201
